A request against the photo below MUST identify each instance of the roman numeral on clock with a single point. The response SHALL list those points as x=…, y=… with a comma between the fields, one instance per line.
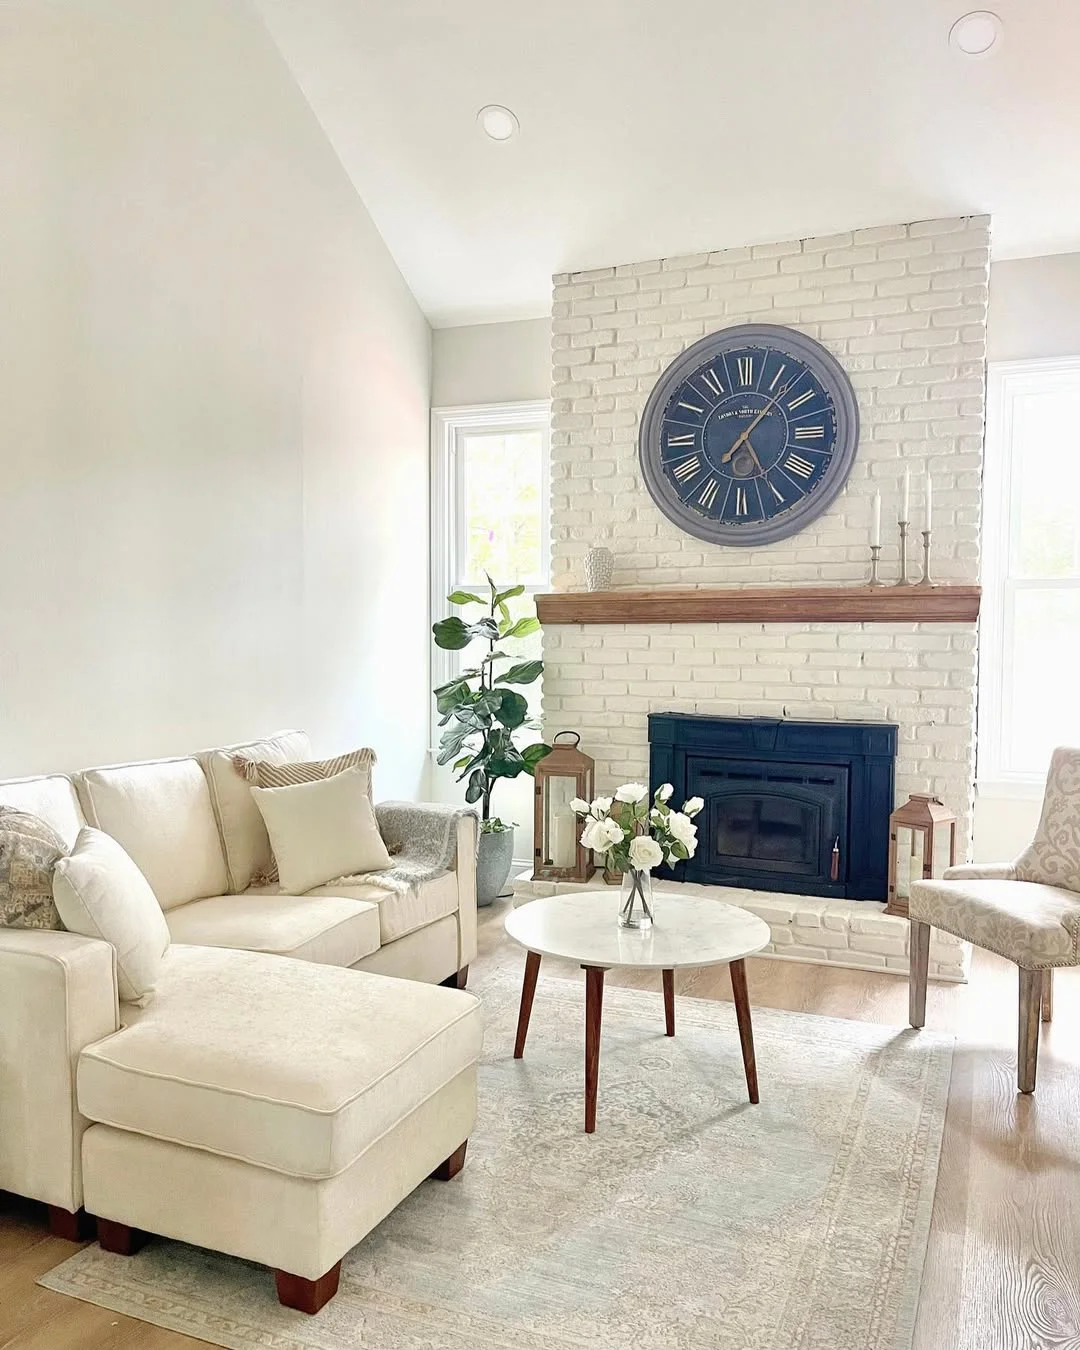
x=707, y=495
x=690, y=407
x=710, y=378
x=809, y=433
x=796, y=464
x=685, y=439
x=746, y=370
x=776, y=378
x=740, y=501
x=798, y=402
x=687, y=469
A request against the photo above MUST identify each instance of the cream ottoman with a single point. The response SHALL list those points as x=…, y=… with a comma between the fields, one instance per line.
x=276, y=1110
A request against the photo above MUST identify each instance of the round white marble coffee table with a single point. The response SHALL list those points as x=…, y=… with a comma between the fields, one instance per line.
x=689, y=931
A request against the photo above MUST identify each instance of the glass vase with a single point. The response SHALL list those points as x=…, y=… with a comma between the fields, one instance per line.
x=636, y=901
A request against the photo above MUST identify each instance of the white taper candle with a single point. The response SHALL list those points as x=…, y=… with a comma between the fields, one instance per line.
x=929, y=501
x=875, y=526
x=905, y=501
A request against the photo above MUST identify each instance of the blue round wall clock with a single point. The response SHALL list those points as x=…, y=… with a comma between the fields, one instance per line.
x=749, y=435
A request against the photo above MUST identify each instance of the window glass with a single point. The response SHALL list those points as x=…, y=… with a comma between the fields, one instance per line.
x=501, y=475
x=1046, y=483
x=1043, y=710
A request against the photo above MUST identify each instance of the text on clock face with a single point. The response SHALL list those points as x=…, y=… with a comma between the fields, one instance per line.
x=747, y=435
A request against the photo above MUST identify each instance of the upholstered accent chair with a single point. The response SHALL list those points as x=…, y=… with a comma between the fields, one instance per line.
x=1027, y=911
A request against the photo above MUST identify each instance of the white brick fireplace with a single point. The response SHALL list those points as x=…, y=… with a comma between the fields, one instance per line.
x=903, y=308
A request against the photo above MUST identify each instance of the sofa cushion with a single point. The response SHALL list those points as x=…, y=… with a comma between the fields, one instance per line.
x=322, y=830
x=100, y=893
x=285, y=1064
x=161, y=813
x=402, y=912
x=243, y=834
x=333, y=931
x=29, y=850
x=51, y=798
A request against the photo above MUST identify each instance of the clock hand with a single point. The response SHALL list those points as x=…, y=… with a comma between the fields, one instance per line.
x=743, y=435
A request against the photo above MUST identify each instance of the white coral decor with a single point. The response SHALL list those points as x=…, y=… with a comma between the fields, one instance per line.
x=635, y=834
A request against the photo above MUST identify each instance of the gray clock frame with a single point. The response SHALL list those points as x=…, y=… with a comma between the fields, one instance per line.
x=832, y=376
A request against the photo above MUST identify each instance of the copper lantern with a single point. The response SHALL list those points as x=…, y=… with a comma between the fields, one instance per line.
x=917, y=846
x=560, y=777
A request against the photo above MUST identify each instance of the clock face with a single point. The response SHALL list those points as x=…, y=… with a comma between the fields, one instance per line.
x=749, y=435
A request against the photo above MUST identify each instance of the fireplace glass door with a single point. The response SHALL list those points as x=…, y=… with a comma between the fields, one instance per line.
x=786, y=822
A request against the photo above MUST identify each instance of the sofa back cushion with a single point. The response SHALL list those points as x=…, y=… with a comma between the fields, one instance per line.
x=243, y=835
x=51, y=798
x=161, y=814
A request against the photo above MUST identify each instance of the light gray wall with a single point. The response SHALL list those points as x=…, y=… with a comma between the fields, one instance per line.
x=1034, y=308
x=491, y=363
x=214, y=392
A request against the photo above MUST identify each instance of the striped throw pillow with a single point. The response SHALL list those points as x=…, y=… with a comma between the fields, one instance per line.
x=262, y=774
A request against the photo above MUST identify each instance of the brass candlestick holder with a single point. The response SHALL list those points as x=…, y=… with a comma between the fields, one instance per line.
x=903, y=579
x=926, y=536
x=875, y=559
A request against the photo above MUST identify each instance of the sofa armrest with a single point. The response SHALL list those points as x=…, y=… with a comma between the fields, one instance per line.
x=444, y=838
x=980, y=872
x=57, y=995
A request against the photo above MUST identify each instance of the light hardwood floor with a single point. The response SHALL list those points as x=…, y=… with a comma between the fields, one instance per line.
x=1003, y=1268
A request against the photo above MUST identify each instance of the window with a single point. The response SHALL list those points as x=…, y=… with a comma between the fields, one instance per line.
x=1031, y=569
x=489, y=509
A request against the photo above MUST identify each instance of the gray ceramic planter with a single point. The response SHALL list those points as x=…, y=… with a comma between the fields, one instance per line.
x=494, y=858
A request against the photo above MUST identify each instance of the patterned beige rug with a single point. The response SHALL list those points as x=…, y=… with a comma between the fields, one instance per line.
x=689, y=1220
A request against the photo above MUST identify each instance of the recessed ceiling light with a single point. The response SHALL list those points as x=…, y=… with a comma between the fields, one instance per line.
x=497, y=122
x=977, y=33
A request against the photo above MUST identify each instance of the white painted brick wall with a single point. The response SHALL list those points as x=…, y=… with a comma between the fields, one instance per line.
x=903, y=308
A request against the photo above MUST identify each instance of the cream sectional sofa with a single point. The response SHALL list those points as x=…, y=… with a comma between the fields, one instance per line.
x=286, y=1087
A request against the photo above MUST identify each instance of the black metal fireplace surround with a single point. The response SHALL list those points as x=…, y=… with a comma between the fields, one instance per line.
x=792, y=806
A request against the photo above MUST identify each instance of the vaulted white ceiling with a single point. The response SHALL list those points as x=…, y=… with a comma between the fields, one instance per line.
x=657, y=127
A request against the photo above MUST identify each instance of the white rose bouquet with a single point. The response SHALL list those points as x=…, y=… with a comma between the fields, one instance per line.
x=635, y=835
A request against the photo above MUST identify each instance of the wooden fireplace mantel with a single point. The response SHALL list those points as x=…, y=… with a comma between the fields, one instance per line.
x=765, y=604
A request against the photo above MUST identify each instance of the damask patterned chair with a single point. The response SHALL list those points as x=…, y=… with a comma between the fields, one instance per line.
x=1027, y=911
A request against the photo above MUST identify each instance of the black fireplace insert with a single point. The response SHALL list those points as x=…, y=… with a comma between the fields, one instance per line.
x=792, y=806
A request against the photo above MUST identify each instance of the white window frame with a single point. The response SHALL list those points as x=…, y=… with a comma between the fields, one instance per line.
x=448, y=426
x=1006, y=381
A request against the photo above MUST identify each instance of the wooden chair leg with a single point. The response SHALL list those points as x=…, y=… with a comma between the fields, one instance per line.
x=1027, y=1042
x=446, y=1171
x=307, y=1296
x=1048, y=996
x=919, y=963
x=74, y=1227
x=458, y=980
x=119, y=1238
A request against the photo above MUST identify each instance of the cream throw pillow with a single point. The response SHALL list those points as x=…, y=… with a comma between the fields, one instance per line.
x=100, y=893
x=322, y=830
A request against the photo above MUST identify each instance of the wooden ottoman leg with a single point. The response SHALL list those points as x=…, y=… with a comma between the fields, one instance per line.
x=458, y=980
x=528, y=993
x=77, y=1227
x=1027, y=1041
x=669, y=1002
x=1048, y=996
x=446, y=1171
x=919, y=967
x=119, y=1238
x=307, y=1296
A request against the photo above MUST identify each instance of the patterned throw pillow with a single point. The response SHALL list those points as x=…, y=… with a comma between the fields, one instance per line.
x=29, y=850
x=260, y=773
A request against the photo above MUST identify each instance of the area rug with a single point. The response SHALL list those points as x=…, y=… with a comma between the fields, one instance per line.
x=690, y=1220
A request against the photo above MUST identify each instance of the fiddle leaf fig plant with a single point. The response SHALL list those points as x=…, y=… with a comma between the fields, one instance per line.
x=481, y=714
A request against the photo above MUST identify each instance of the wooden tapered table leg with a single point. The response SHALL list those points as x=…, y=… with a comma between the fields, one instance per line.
x=746, y=1030
x=1048, y=996
x=594, y=1006
x=669, y=1002
x=528, y=991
